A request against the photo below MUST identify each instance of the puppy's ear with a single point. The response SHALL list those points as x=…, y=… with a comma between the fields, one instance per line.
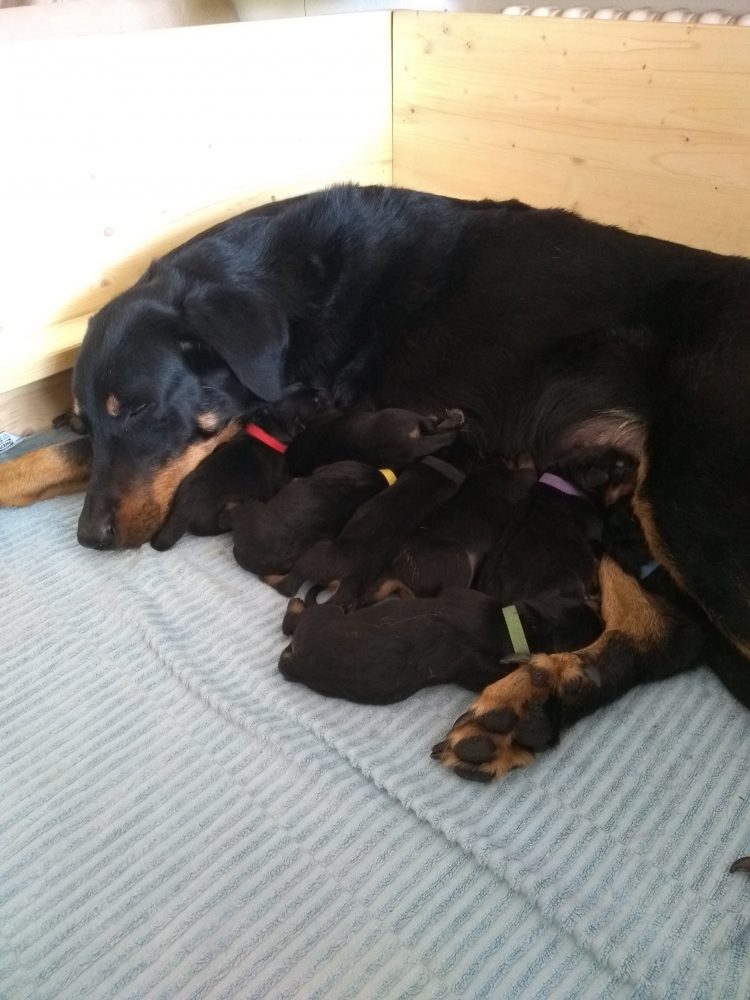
x=249, y=333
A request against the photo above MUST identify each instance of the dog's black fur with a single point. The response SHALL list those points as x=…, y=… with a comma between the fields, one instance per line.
x=390, y=650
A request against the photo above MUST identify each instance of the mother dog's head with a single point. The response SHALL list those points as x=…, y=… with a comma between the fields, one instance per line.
x=163, y=377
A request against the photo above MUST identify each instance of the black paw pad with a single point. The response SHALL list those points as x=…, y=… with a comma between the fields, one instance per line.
x=470, y=774
x=500, y=721
x=536, y=731
x=466, y=717
x=475, y=749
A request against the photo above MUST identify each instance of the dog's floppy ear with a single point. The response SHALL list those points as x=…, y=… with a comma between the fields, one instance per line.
x=249, y=333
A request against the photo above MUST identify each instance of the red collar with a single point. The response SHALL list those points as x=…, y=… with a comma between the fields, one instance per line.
x=257, y=432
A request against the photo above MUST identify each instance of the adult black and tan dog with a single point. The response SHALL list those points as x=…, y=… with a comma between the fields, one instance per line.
x=548, y=331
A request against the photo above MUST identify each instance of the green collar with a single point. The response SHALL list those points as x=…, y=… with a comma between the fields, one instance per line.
x=515, y=631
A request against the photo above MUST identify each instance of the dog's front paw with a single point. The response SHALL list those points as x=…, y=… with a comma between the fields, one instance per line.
x=513, y=719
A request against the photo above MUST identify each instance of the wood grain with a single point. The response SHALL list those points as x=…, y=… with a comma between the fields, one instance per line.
x=642, y=125
x=33, y=407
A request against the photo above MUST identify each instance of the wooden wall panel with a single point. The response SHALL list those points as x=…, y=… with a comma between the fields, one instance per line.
x=33, y=407
x=642, y=125
x=117, y=148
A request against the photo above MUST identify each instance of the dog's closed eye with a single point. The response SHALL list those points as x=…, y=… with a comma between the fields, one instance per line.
x=134, y=413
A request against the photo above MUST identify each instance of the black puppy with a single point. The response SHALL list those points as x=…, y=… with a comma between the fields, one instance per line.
x=553, y=538
x=270, y=538
x=449, y=546
x=546, y=554
x=386, y=652
x=391, y=437
x=252, y=464
x=353, y=562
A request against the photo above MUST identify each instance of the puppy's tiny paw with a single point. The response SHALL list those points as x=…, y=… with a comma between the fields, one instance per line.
x=451, y=419
x=292, y=616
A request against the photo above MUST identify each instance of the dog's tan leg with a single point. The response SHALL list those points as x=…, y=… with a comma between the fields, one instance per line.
x=46, y=472
x=524, y=712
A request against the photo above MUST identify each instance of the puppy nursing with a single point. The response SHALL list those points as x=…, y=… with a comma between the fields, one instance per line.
x=511, y=579
x=528, y=549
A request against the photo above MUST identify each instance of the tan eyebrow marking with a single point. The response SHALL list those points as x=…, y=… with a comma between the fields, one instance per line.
x=207, y=421
x=112, y=405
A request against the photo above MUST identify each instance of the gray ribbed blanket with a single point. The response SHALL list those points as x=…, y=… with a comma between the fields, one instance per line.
x=178, y=821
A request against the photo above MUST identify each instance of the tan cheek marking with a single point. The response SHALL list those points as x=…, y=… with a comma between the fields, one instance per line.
x=141, y=512
x=44, y=473
x=112, y=405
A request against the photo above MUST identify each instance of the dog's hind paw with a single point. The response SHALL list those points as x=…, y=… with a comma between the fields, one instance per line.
x=513, y=719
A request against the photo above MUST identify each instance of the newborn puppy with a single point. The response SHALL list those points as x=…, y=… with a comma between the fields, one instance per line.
x=371, y=538
x=252, y=465
x=270, y=537
x=390, y=437
x=388, y=651
x=554, y=534
x=448, y=547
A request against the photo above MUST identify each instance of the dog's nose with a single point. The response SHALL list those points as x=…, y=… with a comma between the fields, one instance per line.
x=95, y=525
x=98, y=535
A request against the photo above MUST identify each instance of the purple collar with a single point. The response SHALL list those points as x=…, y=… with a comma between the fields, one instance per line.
x=558, y=483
